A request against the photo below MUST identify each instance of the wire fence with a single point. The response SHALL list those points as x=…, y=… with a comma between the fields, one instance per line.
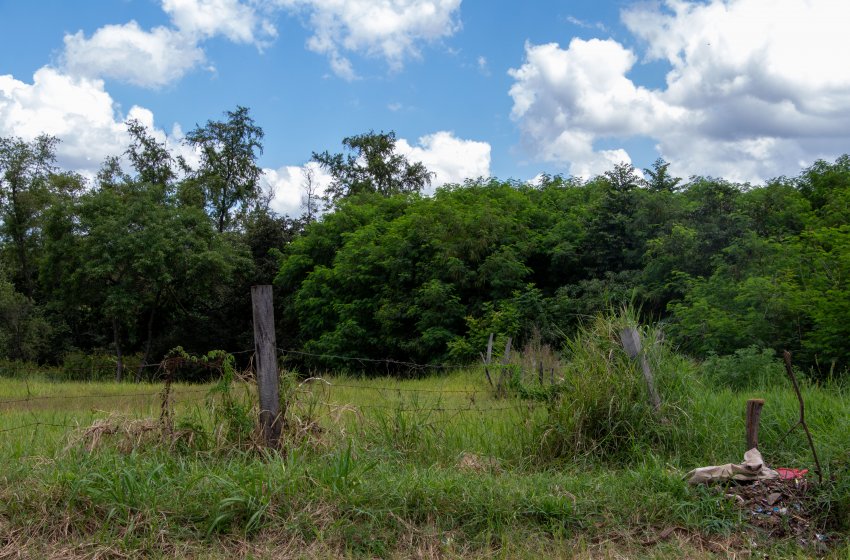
x=14, y=369
x=316, y=391
x=363, y=360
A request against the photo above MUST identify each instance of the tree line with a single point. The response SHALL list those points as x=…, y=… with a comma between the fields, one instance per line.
x=154, y=252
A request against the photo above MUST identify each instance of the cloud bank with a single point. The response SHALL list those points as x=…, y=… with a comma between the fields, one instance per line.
x=390, y=29
x=753, y=90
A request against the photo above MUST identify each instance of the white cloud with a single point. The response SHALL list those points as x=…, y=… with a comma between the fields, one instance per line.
x=287, y=185
x=483, y=66
x=130, y=54
x=564, y=99
x=391, y=29
x=451, y=159
x=586, y=24
x=157, y=57
x=79, y=112
x=754, y=90
x=206, y=18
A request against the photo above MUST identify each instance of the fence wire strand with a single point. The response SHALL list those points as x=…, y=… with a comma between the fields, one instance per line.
x=388, y=361
x=400, y=406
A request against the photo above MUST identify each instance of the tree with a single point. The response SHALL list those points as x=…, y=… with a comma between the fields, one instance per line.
x=659, y=179
x=623, y=177
x=24, y=169
x=24, y=333
x=614, y=240
x=137, y=252
x=371, y=166
x=150, y=158
x=229, y=175
x=310, y=198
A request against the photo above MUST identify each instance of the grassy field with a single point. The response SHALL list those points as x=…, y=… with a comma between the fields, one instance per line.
x=431, y=468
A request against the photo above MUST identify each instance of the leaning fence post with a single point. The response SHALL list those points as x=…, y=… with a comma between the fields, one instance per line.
x=487, y=359
x=503, y=376
x=630, y=337
x=265, y=358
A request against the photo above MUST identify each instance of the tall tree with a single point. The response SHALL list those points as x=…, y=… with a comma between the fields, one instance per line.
x=24, y=169
x=310, y=198
x=659, y=178
x=371, y=165
x=229, y=174
x=151, y=159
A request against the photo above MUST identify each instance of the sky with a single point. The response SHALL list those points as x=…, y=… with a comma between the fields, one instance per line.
x=747, y=90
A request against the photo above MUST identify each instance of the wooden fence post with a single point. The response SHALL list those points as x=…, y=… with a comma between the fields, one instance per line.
x=487, y=359
x=753, y=414
x=265, y=360
x=630, y=337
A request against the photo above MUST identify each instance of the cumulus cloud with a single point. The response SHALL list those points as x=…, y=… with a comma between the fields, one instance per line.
x=130, y=54
x=79, y=112
x=159, y=56
x=286, y=186
x=753, y=90
x=451, y=159
x=391, y=29
x=238, y=22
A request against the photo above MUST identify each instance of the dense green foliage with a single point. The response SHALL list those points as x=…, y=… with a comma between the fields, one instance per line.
x=153, y=253
x=725, y=266
x=134, y=262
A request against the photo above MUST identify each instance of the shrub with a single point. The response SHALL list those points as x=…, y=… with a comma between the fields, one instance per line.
x=747, y=368
x=603, y=407
x=97, y=366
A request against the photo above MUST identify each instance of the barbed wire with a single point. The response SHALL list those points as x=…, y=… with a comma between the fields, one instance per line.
x=97, y=396
x=521, y=406
x=27, y=368
x=327, y=384
x=389, y=361
x=331, y=384
x=470, y=393
x=35, y=424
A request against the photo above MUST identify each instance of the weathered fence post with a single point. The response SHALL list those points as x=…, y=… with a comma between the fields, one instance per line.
x=753, y=414
x=487, y=359
x=265, y=360
x=630, y=337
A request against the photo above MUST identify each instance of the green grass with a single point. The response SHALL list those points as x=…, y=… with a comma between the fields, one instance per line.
x=429, y=468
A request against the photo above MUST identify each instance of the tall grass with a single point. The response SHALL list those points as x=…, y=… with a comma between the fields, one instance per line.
x=436, y=467
x=603, y=411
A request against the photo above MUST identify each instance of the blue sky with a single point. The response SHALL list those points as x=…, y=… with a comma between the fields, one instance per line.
x=746, y=89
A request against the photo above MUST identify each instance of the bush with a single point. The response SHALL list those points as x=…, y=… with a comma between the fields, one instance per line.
x=97, y=366
x=747, y=368
x=603, y=406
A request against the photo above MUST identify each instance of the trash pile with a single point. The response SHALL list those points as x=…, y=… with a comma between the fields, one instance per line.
x=778, y=508
x=775, y=501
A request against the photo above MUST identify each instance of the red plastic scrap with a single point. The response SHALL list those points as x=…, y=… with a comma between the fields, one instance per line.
x=791, y=474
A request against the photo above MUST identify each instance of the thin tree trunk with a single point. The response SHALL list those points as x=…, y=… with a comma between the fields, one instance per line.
x=119, y=364
x=147, y=353
x=19, y=236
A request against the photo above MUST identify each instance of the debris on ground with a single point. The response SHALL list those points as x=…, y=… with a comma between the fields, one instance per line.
x=753, y=468
x=476, y=463
x=775, y=502
x=778, y=508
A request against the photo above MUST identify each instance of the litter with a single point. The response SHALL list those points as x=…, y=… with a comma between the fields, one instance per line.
x=753, y=468
x=791, y=474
